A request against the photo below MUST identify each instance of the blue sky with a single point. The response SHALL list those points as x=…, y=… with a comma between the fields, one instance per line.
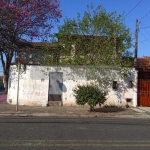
x=70, y=8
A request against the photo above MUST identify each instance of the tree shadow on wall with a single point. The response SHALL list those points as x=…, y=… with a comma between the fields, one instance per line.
x=61, y=86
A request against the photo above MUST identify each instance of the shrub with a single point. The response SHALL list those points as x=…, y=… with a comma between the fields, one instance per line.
x=89, y=94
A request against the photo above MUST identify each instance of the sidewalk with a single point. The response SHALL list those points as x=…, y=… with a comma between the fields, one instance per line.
x=7, y=110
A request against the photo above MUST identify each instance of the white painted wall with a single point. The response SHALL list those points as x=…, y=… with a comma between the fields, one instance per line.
x=34, y=86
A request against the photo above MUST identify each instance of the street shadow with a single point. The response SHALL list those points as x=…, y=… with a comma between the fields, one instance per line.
x=109, y=109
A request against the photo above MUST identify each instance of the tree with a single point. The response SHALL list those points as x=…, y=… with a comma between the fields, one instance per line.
x=97, y=41
x=96, y=38
x=24, y=19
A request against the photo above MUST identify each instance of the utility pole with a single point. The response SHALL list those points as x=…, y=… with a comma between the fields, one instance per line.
x=18, y=82
x=136, y=43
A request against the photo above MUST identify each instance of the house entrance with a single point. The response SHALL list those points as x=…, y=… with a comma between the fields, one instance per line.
x=55, y=86
x=144, y=89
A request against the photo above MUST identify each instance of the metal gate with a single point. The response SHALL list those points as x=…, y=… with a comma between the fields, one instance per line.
x=55, y=86
x=144, y=92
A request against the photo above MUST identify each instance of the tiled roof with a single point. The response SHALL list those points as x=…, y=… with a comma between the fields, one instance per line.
x=143, y=62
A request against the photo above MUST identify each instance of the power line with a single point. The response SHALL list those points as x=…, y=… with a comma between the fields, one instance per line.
x=145, y=40
x=143, y=35
x=145, y=15
x=146, y=27
x=132, y=9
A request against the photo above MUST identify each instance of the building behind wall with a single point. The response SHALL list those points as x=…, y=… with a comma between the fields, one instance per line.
x=40, y=83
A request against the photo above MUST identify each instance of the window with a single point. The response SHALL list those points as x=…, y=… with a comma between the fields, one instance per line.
x=130, y=84
x=115, y=86
x=128, y=100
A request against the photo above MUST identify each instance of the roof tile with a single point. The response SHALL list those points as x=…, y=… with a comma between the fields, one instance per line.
x=143, y=62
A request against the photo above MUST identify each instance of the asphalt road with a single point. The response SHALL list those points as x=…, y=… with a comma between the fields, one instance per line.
x=74, y=134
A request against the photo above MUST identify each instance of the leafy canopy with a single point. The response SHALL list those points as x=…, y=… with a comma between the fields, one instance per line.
x=23, y=20
x=96, y=38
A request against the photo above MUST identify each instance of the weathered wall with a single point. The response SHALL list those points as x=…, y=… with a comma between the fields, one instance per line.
x=34, y=86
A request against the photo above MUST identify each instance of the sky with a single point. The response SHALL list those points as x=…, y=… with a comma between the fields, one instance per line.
x=134, y=9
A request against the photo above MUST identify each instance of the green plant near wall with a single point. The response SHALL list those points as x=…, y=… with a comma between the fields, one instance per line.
x=89, y=94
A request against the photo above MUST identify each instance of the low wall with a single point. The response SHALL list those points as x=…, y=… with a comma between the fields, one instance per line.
x=34, y=86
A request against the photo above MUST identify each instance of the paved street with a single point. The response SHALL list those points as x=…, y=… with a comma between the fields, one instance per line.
x=74, y=133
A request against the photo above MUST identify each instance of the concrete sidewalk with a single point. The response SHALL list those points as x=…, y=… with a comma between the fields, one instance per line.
x=7, y=110
x=142, y=110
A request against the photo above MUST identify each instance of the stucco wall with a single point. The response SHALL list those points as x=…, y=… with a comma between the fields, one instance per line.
x=34, y=86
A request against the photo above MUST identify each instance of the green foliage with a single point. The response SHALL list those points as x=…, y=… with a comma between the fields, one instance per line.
x=44, y=54
x=97, y=41
x=98, y=37
x=89, y=94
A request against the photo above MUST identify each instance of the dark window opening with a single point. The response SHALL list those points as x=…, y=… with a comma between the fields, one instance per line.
x=115, y=86
x=130, y=84
x=128, y=100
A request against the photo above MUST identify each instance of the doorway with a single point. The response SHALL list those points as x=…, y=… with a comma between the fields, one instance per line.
x=55, y=86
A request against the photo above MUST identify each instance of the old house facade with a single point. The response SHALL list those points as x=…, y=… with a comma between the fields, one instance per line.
x=41, y=85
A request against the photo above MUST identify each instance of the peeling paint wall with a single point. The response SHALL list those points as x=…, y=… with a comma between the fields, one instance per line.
x=34, y=86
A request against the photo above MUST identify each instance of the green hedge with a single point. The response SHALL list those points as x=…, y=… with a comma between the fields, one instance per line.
x=89, y=94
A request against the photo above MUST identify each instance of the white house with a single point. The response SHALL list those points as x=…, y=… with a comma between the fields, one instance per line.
x=41, y=85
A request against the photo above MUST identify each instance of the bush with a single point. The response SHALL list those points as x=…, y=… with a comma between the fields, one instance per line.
x=89, y=94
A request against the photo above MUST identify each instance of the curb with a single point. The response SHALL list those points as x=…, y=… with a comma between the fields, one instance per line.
x=139, y=115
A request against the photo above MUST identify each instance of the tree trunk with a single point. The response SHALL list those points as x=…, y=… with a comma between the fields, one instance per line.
x=6, y=67
x=91, y=108
x=6, y=77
